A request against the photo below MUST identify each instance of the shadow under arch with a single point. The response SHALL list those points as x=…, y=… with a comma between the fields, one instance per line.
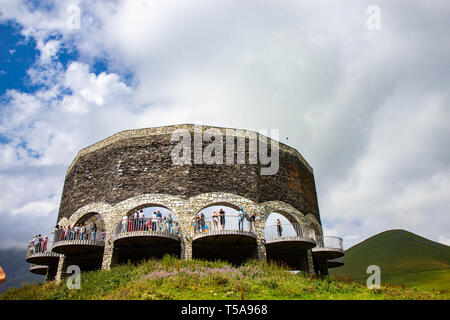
x=150, y=235
x=223, y=238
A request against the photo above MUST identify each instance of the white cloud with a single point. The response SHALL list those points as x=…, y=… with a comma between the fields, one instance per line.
x=368, y=109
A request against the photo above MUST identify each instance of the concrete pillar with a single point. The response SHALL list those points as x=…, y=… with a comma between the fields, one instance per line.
x=109, y=254
x=51, y=272
x=62, y=267
x=184, y=216
x=260, y=253
x=186, y=247
x=310, y=262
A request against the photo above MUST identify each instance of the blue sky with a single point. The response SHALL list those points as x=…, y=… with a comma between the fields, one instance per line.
x=367, y=108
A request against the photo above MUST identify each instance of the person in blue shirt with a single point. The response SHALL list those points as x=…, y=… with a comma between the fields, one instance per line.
x=242, y=216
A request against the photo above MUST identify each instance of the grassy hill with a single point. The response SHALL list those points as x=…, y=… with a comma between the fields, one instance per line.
x=16, y=269
x=171, y=278
x=404, y=258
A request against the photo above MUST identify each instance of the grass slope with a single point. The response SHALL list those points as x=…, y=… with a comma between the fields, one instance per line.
x=404, y=258
x=171, y=278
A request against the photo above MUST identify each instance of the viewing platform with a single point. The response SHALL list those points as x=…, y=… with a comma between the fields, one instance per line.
x=288, y=243
x=42, y=254
x=327, y=248
x=82, y=249
x=38, y=269
x=230, y=238
x=145, y=238
x=334, y=263
x=73, y=243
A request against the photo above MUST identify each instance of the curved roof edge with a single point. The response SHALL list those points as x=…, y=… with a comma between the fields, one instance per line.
x=137, y=133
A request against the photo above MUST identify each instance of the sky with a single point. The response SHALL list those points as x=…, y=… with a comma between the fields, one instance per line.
x=363, y=95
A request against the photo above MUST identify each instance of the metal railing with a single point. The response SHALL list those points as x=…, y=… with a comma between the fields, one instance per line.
x=329, y=242
x=286, y=230
x=157, y=227
x=40, y=246
x=223, y=224
x=65, y=234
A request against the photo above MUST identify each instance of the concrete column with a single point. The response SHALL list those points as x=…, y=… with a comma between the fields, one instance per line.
x=310, y=262
x=184, y=216
x=62, y=267
x=110, y=219
x=109, y=254
x=51, y=272
x=260, y=253
x=186, y=247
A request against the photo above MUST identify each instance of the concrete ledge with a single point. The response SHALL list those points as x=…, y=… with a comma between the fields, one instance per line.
x=334, y=263
x=38, y=269
x=223, y=233
x=139, y=234
x=292, y=239
x=43, y=258
x=327, y=253
x=76, y=246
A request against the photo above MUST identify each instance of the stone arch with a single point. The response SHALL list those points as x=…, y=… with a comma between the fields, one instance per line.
x=100, y=208
x=167, y=201
x=63, y=222
x=204, y=200
x=147, y=205
x=311, y=220
x=286, y=210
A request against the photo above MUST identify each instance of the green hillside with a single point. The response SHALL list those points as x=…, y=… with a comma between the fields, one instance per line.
x=404, y=258
x=17, y=269
x=170, y=278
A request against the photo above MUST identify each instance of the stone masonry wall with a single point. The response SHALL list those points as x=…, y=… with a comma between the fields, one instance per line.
x=139, y=162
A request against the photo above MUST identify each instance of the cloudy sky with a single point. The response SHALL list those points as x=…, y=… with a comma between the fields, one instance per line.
x=368, y=108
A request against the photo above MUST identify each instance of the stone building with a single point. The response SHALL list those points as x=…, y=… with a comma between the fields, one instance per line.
x=134, y=169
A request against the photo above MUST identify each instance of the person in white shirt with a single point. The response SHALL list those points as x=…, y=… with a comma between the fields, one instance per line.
x=141, y=220
x=124, y=223
x=154, y=221
x=135, y=220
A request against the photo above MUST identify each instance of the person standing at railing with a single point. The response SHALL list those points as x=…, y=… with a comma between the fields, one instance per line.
x=251, y=227
x=124, y=223
x=196, y=223
x=279, y=228
x=158, y=220
x=169, y=223
x=135, y=220
x=94, y=232
x=242, y=215
x=202, y=222
x=222, y=218
x=215, y=219
x=154, y=221
x=44, y=245
x=141, y=220
x=68, y=233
